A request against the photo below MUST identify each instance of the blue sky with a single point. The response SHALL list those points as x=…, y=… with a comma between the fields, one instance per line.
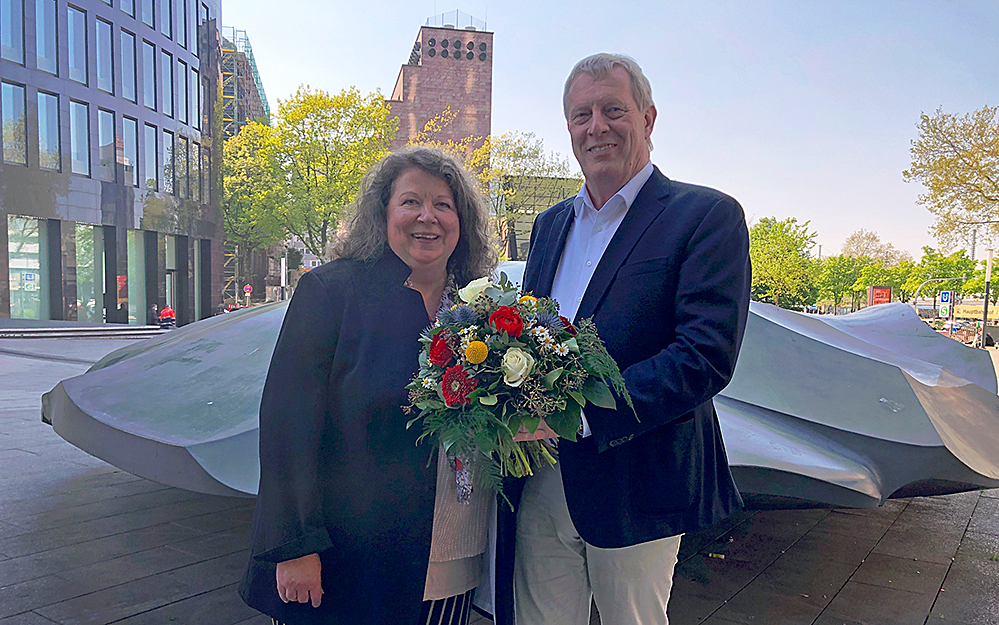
x=797, y=108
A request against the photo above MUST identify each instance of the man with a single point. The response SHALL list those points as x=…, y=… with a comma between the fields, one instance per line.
x=663, y=269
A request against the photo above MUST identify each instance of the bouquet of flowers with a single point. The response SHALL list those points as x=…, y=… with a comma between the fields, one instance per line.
x=495, y=364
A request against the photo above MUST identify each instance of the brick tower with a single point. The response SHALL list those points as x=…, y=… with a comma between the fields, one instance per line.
x=449, y=66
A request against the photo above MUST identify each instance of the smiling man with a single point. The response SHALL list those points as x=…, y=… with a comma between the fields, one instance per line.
x=663, y=269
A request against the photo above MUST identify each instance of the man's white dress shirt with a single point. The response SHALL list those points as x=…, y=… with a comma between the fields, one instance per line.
x=591, y=232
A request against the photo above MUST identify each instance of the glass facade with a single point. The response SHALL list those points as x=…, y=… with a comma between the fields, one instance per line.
x=106, y=147
x=77, y=35
x=105, y=75
x=128, y=66
x=79, y=138
x=129, y=144
x=166, y=178
x=15, y=131
x=48, y=131
x=46, y=48
x=135, y=291
x=90, y=273
x=12, y=30
x=27, y=253
x=149, y=75
x=166, y=82
x=165, y=18
x=71, y=78
x=149, y=158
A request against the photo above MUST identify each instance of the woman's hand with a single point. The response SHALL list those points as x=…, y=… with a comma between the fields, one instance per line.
x=543, y=431
x=300, y=580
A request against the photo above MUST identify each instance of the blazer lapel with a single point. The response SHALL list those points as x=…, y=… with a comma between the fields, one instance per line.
x=552, y=254
x=648, y=205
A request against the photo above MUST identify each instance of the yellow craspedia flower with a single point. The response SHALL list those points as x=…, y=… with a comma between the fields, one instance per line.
x=476, y=352
x=529, y=300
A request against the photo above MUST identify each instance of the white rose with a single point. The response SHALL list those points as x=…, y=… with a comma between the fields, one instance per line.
x=473, y=289
x=517, y=365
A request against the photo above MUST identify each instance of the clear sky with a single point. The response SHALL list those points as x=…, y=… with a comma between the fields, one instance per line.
x=798, y=108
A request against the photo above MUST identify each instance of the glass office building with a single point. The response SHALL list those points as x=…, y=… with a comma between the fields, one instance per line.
x=109, y=177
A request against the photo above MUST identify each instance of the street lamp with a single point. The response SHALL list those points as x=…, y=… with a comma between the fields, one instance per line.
x=985, y=306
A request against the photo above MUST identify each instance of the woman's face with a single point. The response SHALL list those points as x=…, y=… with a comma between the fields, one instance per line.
x=423, y=226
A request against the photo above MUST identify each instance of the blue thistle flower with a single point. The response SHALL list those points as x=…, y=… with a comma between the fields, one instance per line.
x=550, y=321
x=445, y=315
x=464, y=315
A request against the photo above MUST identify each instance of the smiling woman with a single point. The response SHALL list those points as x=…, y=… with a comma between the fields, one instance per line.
x=351, y=524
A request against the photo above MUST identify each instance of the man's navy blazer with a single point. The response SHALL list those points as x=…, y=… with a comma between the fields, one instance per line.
x=670, y=298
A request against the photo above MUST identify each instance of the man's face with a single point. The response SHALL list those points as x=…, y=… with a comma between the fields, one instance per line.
x=609, y=132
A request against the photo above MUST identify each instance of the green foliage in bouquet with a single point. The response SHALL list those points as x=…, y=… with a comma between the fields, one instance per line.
x=494, y=364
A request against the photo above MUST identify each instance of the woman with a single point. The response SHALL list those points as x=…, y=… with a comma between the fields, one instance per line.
x=348, y=503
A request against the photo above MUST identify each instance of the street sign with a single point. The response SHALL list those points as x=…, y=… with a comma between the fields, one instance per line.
x=28, y=277
x=944, y=297
x=248, y=289
x=944, y=311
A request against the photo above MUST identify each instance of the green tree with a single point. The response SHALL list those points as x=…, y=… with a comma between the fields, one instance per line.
x=253, y=191
x=934, y=265
x=868, y=243
x=957, y=161
x=325, y=144
x=783, y=270
x=837, y=275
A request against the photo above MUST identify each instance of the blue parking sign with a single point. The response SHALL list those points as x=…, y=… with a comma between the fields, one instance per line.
x=28, y=277
x=944, y=297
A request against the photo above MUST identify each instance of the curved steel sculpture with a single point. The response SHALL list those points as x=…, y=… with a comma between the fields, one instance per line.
x=822, y=411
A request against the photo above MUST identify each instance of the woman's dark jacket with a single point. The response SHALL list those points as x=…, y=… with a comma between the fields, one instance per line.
x=340, y=475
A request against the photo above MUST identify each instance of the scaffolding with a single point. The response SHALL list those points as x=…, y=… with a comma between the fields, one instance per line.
x=238, y=66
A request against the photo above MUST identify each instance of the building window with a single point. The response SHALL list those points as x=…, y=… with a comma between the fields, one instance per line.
x=202, y=19
x=196, y=172
x=48, y=131
x=107, y=2
x=180, y=165
x=147, y=13
x=128, y=66
x=149, y=75
x=206, y=176
x=15, y=135
x=136, y=290
x=90, y=273
x=130, y=131
x=27, y=253
x=181, y=22
x=77, y=45
x=105, y=146
x=166, y=20
x=182, y=91
x=46, y=49
x=12, y=30
x=166, y=69
x=149, y=158
x=195, y=98
x=167, y=177
x=105, y=75
x=206, y=105
x=79, y=138
x=127, y=7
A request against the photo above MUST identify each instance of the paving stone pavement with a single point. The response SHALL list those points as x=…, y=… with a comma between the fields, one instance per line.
x=82, y=542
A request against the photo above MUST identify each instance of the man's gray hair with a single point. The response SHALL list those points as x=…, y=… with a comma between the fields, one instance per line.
x=599, y=66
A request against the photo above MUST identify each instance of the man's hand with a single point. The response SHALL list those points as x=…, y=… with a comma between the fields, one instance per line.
x=300, y=580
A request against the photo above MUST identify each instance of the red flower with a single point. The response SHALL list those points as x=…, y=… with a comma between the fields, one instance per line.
x=567, y=326
x=507, y=319
x=440, y=351
x=457, y=385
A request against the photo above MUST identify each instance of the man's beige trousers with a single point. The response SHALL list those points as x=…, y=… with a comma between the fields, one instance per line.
x=557, y=572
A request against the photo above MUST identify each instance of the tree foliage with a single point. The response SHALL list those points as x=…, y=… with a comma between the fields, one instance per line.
x=868, y=243
x=325, y=144
x=252, y=187
x=783, y=270
x=957, y=161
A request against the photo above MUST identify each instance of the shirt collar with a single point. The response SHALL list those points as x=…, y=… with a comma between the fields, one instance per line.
x=627, y=193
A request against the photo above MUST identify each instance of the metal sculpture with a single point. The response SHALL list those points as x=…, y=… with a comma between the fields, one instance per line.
x=822, y=411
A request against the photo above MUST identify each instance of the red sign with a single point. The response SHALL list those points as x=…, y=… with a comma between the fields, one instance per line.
x=248, y=289
x=878, y=295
